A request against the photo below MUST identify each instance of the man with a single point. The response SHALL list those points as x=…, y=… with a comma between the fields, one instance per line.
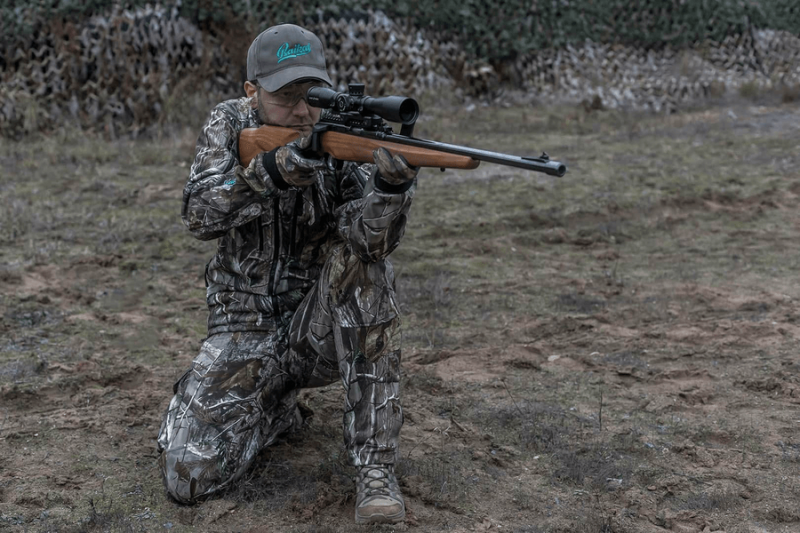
x=300, y=292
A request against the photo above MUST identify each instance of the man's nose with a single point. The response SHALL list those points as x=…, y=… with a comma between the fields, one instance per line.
x=302, y=109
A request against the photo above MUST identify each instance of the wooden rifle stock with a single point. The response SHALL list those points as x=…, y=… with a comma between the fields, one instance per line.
x=253, y=141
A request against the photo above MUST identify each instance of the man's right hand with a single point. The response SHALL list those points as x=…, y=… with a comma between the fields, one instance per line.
x=295, y=169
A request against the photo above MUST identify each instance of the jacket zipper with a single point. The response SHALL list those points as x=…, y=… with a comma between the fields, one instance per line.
x=277, y=232
x=298, y=204
x=276, y=253
x=261, y=233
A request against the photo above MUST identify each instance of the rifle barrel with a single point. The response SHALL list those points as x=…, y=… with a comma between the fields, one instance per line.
x=538, y=164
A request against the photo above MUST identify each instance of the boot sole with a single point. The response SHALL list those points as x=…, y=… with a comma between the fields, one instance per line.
x=381, y=519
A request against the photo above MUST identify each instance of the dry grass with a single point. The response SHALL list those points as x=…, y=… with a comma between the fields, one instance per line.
x=653, y=210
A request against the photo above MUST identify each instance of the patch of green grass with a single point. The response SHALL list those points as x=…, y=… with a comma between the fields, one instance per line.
x=274, y=486
x=425, y=382
x=437, y=478
x=750, y=90
x=790, y=93
x=704, y=501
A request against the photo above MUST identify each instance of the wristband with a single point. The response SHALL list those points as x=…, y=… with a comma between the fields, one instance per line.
x=271, y=166
x=384, y=186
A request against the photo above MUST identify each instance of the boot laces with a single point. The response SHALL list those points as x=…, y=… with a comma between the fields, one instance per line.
x=376, y=481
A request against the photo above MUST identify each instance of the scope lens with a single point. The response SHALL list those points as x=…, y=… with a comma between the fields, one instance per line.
x=408, y=111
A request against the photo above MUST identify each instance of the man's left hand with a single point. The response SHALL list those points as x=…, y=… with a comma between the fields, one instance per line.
x=394, y=170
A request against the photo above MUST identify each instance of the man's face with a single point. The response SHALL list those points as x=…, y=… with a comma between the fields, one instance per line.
x=287, y=107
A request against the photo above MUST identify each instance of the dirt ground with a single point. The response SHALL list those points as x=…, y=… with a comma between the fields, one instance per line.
x=612, y=351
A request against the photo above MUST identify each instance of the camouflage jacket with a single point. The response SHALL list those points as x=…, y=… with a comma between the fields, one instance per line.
x=273, y=241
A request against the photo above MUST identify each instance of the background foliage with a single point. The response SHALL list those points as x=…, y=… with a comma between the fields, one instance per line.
x=499, y=29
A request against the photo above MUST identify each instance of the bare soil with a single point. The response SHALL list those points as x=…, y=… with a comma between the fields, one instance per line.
x=612, y=351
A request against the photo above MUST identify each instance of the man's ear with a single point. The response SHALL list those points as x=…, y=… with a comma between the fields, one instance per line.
x=250, y=89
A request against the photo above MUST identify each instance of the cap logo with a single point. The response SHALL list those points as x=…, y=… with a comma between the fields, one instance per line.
x=284, y=52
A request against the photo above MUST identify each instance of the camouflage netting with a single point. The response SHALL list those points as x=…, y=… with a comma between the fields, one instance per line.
x=124, y=72
x=662, y=80
x=114, y=72
x=129, y=70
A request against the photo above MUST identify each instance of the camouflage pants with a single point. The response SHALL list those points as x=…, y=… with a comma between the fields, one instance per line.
x=240, y=393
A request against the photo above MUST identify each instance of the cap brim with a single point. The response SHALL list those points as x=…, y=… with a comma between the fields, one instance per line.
x=291, y=74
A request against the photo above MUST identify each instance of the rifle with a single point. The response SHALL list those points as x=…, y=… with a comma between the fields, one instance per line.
x=355, y=125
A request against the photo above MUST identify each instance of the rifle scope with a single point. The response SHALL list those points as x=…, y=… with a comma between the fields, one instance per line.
x=392, y=108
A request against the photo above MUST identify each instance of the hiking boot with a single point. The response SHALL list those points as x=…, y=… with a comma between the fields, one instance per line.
x=378, y=498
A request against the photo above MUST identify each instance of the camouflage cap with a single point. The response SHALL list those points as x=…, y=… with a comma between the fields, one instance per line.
x=284, y=54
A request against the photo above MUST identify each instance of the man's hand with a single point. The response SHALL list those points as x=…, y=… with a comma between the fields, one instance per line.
x=394, y=170
x=295, y=169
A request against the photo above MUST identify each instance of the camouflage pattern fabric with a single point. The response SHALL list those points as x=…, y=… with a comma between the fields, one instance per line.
x=300, y=293
x=273, y=242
